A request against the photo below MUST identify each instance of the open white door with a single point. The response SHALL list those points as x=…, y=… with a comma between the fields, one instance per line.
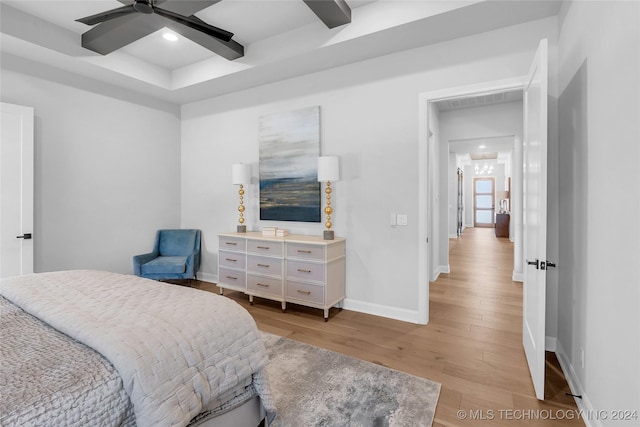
x=16, y=184
x=535, y=216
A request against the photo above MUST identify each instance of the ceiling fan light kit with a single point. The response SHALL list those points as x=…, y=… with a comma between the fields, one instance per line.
x=170, y=37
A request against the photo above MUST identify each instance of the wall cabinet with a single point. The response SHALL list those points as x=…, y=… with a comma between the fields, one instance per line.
x=300, y=269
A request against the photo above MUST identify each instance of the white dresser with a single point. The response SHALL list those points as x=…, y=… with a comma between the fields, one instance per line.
x=304, y=270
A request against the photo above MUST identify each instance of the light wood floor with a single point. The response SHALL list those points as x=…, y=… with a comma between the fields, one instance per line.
x=472, y=344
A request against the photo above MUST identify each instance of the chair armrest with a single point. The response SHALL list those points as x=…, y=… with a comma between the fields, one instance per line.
x=193, y=263
x=138, y=260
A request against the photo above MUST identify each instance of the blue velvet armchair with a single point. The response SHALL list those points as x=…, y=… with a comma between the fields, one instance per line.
x=176, y=255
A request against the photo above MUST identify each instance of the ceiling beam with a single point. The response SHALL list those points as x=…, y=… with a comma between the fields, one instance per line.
x=332, y=12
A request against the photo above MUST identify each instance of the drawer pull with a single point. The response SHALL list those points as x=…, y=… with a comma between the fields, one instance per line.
x=302, y=270
x=231, y=260
x=263, y=265
x=264, y=285
x=263, y=247
x=304, y=292
x=231, y=243
x=232, y=278
x=303, y=251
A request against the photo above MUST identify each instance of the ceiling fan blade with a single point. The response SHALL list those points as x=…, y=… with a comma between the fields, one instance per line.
x=196, y=24
x=108, y=15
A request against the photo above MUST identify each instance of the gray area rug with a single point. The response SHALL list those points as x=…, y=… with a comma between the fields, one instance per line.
x=317, y=387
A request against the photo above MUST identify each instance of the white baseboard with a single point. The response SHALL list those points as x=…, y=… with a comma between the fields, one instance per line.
x=453, y=236
x=403, y=314
x=517, y=277
x=550, y=343
x=584, y=405
x=441, y=269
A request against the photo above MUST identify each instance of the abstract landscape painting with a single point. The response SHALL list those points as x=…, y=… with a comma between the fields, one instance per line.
x=289, y=150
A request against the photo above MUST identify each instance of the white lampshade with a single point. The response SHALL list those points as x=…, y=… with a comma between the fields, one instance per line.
x=241, y=174
x=328, y=168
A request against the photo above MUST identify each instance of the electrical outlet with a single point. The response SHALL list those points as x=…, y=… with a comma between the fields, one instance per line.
x=581, y=358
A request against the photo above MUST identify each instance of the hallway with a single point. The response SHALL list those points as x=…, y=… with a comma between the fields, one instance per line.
x=479, y=301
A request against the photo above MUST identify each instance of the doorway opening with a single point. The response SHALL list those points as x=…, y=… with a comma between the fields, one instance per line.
x=433, y=202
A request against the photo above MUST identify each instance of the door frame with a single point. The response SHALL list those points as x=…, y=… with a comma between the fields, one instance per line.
x=426, y=175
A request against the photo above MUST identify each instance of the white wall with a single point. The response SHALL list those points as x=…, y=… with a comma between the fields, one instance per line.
x=369, y=115
x=599, y=180
x=107, y=174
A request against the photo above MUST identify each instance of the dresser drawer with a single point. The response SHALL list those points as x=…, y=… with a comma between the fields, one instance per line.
x=305, y=292
x=232, y=277
x=300, y=250
x=232, y=243
x=267, y=285
x=232, y=259
x=265, y=247
x=264, y=265
x=305, y=270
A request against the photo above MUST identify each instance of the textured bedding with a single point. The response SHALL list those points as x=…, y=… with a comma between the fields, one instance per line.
x=47, y=378
x=176, y=349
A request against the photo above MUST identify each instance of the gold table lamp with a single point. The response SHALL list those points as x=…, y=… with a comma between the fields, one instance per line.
x=241, y=176
x=328, y=171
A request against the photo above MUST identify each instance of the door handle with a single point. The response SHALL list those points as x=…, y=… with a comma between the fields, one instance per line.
x=25, y=236
x=533, y=263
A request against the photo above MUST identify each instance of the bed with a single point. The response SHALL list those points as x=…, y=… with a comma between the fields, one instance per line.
x=88, y=347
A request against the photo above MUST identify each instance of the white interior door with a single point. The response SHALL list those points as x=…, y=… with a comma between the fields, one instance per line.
x=16, y=183
x=535, y=216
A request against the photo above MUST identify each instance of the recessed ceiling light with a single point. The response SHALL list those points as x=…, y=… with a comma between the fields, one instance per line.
x=170, y=36
x=482, y=146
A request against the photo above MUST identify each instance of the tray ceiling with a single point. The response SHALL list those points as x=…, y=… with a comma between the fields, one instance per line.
x=282, y=39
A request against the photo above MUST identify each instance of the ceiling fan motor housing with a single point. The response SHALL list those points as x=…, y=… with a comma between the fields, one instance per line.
x=143, y=6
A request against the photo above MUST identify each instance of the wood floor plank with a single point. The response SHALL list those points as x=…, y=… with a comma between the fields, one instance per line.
x=472, y=344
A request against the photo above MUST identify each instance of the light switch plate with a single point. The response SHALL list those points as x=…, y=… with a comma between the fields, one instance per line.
x=402, y=219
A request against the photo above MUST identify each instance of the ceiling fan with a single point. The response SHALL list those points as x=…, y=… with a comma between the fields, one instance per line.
x=147, y=7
